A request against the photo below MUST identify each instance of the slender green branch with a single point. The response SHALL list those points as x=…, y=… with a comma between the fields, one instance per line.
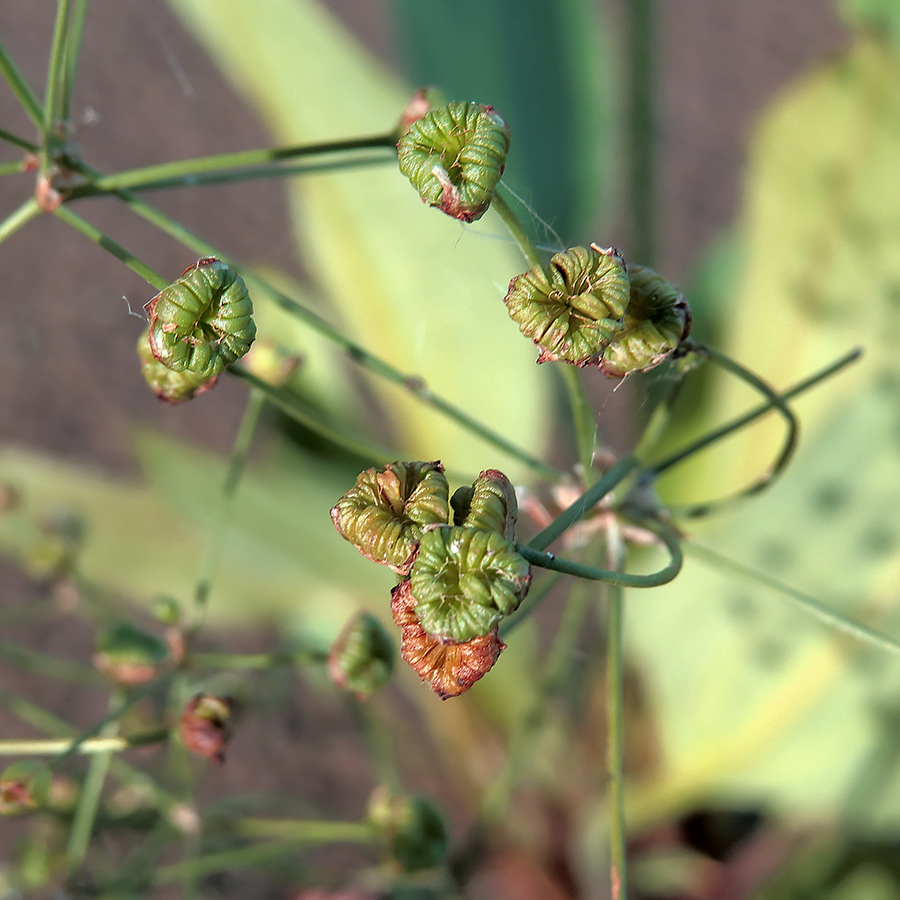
x=15, y=220
x=293, y=406
x=568, y=567
x=787, y=448
x=808, y=604
x=56, y=72
x=255, y=660
x=230, y=176
x=20, y=142
x=514, y=225
x=24, y=94
x=227, y=860
x=309, y=831
x=643, y=52
x=584, y=420
x=10, y=168
x=255, y=402
x=615, y=719
x=110, y=744
x=73, y=50
x=736, y=424
x=223, y=163
x=360, y=355
x=584, y=504
x=108, y=244
x=89, y=801
x=50, y=666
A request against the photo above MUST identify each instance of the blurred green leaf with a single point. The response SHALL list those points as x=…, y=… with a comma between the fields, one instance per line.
x=755, y=700
x=408, y=283
x=547, y=67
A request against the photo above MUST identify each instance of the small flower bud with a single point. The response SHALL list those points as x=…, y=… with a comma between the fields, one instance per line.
x=24, y=785
x=202, y=322
x=205, y=726
x=272, y=362
x=657, y=320
x=415, y=829
x=361, y=660
x=170, y=386
x=466, y=580
x=129, y=655
x=167, y=610
x=573, y=308
x=450, y=668
x=382, y=515
x=454, y=157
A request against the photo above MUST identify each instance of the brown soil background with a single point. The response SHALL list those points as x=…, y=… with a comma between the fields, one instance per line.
x=69, y=384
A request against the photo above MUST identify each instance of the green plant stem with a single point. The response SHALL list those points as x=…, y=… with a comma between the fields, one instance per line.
x=50, y=666
x=736, y=424
x=787, y=448
x=514, y=225
x=382, y=759
x=254, y=660
x=107, y=243
x=17, y=141
x=584, y=504
x=230, y=176
x=568, y=567
x=211, y=863
x=223, y=163
x=15, y=220
x=643, y=51
x=109, y=744
x=309, y=831
x=10, y=168
x=584, y=420
x=358, y=354
x=56, y=70
x=89, y=800
x=24, y=94
x=256, y=401
x=293, y=406
x=805, y=602
x=73, y=50
x=615, y=722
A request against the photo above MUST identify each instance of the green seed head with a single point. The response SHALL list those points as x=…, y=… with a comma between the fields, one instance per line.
x=362, y=658
x=465, y=580
x=383, y=514
x=454, y=157
x=202, y=322
x=169, y=385
x=657, y=320
x=575, y=307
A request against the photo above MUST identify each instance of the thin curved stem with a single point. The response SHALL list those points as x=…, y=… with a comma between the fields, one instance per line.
x=24, y=94
x=584, y=504
x=222, y=163
x=804, y=601
x=667, y=535
x=787, y=448
x=736, y=424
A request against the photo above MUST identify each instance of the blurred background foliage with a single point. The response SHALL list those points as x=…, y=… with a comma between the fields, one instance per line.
x=742, y=706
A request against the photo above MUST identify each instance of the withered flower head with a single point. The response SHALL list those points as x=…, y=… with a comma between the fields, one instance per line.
x=450, y=668
x=205, y=726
